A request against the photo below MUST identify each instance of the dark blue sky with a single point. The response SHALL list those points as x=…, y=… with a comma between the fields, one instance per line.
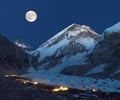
x=53, y=16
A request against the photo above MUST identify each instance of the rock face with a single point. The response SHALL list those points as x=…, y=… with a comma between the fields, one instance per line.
x=68, y=47
x=12, y=58
x=104, y=60
x=33, y=56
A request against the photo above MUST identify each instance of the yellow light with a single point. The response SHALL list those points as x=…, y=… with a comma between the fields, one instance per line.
x=60, y=89
x=6, y=75
x=55, y=90
x=94, y=90
x=11, y=75
x=82, y=89
x=63, y=88
x=35, y=83
x=24, y=82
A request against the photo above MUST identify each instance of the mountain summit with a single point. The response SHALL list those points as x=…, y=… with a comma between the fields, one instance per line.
x=78, y=57
x=68, y=47
x=23, y=45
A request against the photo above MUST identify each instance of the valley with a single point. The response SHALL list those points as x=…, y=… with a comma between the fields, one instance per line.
x=13, y=87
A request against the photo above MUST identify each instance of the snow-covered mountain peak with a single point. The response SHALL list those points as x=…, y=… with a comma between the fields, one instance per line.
x=73, y=51
x=72, y=43
x=76, y=27
x=22, y=45
x=89, y=29
x=73, y=31
x=112, y=33
x=114, y=28
x=80, y=28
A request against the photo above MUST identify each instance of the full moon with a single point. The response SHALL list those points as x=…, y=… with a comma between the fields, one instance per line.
x=31, y=16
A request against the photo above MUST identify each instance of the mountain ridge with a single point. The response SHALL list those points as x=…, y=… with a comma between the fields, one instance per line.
x=12, y=58
x=97, y=66
x=68, y=43
x=76, y=57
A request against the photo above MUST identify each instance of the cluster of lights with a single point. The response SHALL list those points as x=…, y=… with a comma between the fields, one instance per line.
x=27, y=81
x=11, y=75
x=21, y=79
x=93, y=90
x=96, y=90
x=60, y=89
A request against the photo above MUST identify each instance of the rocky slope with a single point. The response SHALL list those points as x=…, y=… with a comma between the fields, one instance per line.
x=12, y=58
x=15, y=89
x=104, y=60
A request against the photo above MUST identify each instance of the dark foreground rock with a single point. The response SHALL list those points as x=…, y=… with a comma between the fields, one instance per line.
x=13, y=59
x=11, y=89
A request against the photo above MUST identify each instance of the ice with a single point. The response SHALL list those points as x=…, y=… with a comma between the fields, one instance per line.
x=118, y=71
x=51, y=40
x=48, y=51
x=66, y=62
x=88, y=42
x=97, y=69
x=42, y=76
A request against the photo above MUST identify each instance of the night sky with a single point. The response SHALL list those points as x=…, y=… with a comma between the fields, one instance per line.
x=54, y=16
